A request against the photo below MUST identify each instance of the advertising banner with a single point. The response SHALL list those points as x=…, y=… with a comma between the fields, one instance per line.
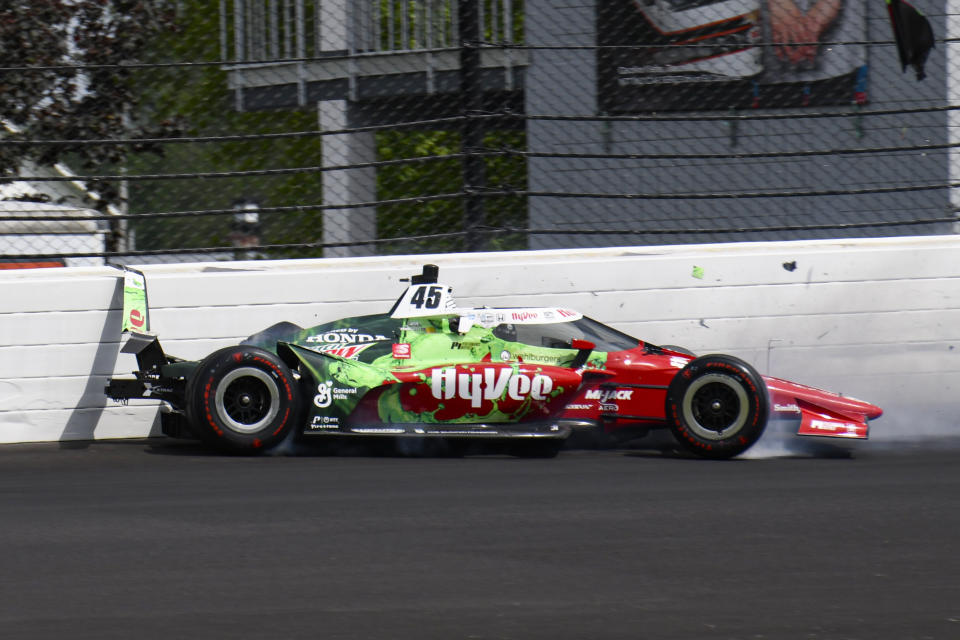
x=678, y=55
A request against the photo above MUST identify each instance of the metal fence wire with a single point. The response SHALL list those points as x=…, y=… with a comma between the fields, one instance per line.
x=249, y=129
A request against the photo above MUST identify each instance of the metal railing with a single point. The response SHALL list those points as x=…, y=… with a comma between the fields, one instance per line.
x=275, y=30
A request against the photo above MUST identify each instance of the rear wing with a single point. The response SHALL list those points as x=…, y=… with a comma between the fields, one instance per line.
x=136, y=321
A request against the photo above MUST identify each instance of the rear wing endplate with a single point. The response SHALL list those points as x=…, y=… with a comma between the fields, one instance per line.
x=136, y=321
x=136, y=312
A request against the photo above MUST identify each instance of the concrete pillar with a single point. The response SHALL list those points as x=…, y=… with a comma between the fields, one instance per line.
x=347, y=186
x=334, y=19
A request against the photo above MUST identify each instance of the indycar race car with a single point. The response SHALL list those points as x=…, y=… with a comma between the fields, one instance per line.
x=427, y=369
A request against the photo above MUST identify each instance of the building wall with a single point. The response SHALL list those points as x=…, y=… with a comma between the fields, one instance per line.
x=564, y=82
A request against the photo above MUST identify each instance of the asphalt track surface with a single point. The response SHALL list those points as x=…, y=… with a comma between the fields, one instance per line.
x=145, y=539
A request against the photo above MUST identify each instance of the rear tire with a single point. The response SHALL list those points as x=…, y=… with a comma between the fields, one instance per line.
x=717, y=406
x=243, y=399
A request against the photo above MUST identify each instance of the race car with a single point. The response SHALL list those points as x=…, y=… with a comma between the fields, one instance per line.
x=427, y=369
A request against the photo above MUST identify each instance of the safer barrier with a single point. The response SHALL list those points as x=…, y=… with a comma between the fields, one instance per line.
x=875, y=318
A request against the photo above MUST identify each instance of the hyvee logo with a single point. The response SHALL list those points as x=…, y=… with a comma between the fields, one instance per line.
x=605, y=395
x=489, y=385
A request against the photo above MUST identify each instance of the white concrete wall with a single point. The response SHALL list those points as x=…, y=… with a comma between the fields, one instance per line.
x=878, y=319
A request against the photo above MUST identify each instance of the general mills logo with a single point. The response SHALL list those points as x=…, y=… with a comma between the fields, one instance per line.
x=324, y=396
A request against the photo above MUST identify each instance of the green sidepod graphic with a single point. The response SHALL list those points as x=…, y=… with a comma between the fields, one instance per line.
x=438, y=376
x=339, y=386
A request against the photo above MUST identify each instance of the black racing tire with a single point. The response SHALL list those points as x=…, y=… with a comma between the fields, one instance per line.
x=717, y=406
x=242, y=400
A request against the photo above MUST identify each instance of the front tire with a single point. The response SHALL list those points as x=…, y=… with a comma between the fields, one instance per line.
x=242, y=399
x=717, y=406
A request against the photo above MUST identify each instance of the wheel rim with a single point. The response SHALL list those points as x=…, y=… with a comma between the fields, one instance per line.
x=715, y=406
x=247, y=400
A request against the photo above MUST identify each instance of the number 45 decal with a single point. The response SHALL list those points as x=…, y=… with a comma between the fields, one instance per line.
x=427, y=296
x=422, y=300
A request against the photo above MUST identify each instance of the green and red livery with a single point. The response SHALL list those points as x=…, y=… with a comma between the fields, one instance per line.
x=427, y=369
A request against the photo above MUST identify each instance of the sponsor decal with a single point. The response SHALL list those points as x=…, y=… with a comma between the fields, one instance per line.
x=348, y=352
x=824, y=425
x=538, y=357
x=505, y=355
x=609, y=407
x=492, y=384
x=344, y=343
x=136, y=318
x=401, y=351
x=325, y=422
x=829, y=425
x=786, y=408
x=134, y=279
x=579, y=407
x=342, y=393
x=679, y=362
x=156, y=389
x=520, y=316
x=344, y=336
x=566, y=313
x=327, y=393
x=490, y=318
x=324, y=395
x=604, y=395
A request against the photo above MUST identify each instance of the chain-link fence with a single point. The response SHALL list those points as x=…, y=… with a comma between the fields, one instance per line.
x=306, y=128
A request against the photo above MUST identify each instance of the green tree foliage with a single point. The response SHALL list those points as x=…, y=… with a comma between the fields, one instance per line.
x=437, y=175
x=197, y=95
x=88, y=70
x=66, y=83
